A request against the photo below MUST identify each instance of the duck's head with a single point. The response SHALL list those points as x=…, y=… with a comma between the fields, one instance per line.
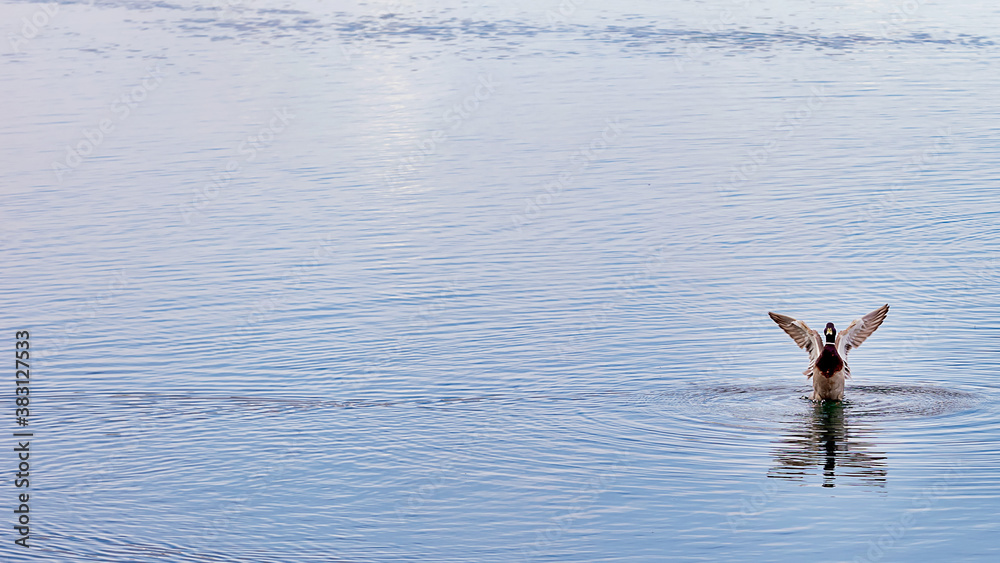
x=831, y=333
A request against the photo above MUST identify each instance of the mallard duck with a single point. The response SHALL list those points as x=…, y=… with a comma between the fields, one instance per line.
x=828, y=361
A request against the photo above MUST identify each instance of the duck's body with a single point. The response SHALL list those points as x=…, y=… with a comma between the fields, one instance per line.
x=828, y=360
x=828, y=373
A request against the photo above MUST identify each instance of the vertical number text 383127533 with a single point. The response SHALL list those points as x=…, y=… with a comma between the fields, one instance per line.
x=21, y=401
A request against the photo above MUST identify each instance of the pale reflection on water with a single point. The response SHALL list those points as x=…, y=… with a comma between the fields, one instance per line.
x=827, y=443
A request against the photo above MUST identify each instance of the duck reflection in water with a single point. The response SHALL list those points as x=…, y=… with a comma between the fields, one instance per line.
x=826, y=440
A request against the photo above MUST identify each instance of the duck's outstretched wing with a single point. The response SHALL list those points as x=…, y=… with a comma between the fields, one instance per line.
x=804, y=336
x=859, y=330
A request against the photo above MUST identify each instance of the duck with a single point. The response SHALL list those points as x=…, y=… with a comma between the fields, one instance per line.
x=828, y=367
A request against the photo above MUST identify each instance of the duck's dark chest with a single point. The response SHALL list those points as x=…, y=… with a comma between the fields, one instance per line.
x=829, y=361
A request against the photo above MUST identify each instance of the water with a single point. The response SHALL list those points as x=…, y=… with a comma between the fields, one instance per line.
x=428, y=282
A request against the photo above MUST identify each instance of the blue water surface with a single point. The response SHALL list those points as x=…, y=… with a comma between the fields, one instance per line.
x=334, y=281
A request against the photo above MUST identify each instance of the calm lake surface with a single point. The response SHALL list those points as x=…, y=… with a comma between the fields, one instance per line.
x=420, y=281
